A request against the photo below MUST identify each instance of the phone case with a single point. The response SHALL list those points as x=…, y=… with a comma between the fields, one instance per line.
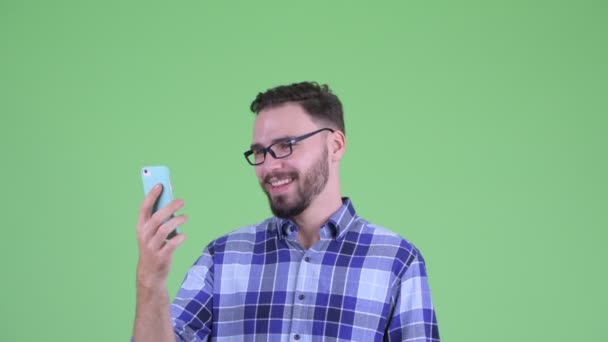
x=152, y=175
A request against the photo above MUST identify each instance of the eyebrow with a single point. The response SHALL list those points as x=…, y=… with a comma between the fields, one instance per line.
x=273, y=141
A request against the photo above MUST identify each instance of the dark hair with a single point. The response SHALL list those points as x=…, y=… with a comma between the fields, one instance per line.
x=317, y=100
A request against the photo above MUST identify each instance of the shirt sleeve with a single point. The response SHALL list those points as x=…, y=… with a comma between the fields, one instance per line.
x=413, y=317
x=192, y=308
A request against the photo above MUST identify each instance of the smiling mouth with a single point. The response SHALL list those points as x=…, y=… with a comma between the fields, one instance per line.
x=280, y=182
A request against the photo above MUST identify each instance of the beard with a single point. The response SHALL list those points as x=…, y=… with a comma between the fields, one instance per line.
x=313, y=182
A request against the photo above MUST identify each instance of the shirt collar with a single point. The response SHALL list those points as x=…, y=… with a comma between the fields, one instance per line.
x=335, y=227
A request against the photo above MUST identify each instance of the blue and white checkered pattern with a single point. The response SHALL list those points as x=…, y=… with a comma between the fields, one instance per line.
x=360, y=282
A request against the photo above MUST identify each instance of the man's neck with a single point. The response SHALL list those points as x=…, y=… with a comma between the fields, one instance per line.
x=314, y=217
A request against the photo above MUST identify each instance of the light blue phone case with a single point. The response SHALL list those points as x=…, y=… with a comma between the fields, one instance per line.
x=152, y=175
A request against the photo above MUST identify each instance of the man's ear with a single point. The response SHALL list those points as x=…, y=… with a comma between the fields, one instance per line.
x=337, y=145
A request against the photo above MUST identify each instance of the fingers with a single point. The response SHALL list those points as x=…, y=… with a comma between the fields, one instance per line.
x=169, y=247
x=153, y=223
x=155, y=252
x=165, y=212
x=159, y=238
x=145, y=211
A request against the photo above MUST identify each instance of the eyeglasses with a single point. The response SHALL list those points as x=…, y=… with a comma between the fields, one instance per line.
x=278, y=150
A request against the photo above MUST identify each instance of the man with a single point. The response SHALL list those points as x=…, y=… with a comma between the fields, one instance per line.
x=316, y=271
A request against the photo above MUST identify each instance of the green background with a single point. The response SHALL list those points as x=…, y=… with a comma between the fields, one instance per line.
x=476, y=129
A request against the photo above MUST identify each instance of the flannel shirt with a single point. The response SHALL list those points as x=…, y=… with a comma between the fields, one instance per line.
x=359, y=282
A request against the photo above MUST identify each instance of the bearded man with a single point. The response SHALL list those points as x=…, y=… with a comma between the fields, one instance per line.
x=315, y=271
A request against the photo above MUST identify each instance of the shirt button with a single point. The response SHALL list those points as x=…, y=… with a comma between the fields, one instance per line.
x=296, y=337
x=307, y=259
x=301, y=296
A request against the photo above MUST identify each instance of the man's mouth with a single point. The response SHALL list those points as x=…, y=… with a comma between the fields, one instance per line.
x=278, y=185
x=280, y=182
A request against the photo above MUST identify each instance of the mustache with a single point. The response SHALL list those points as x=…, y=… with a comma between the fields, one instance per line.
x=289, y=174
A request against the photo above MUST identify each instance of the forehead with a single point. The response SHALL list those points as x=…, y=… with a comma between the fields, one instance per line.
x=282, y=121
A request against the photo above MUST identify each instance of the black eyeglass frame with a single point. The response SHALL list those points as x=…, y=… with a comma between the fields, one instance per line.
x=288, y=141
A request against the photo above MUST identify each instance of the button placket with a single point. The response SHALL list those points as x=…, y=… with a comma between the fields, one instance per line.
x=306, y=279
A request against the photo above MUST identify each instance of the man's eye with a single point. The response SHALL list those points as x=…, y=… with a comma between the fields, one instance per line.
x=283, y=146
x=258, y=152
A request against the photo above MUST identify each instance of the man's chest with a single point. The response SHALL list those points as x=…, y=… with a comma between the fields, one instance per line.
x=291, y=284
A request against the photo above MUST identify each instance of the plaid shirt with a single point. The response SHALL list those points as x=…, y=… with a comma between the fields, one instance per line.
x=359, y=282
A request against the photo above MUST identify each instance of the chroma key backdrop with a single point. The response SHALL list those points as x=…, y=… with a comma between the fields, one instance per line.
x=475, y=129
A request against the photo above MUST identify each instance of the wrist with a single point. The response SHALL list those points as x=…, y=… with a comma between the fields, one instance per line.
x=154, y=284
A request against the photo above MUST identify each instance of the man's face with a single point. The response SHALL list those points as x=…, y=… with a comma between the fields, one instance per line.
x=291, y=183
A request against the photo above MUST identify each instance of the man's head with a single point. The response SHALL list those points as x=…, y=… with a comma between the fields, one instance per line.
x=306, y=169
x=316, y=100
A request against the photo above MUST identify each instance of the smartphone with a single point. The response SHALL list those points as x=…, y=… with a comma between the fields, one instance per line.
x=152, y=175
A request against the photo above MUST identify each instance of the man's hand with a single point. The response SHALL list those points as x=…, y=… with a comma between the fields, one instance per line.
x=155, y=252
x=152, y=315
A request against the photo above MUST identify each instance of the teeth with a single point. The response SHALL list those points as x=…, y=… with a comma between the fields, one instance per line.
x=281, y=182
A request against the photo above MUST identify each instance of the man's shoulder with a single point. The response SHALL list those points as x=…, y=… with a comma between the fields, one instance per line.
x=376, y=235
x=247, y=235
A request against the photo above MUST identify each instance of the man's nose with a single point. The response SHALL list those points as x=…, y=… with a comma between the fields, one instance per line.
x=271, y=163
